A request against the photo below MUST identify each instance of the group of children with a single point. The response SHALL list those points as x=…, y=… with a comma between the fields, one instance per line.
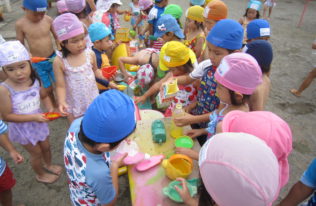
x=222, y=68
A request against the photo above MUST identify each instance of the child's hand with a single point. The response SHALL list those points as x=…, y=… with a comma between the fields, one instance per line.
x=183, y=120
x=193, y=133
x=184, y=192
x=119, y=161
x=128, y=77
x=140, y=99
x=189, y=108
x=63, y=108
x=188, y=152
x=17, y=157
x=40, y=118
x=113, y=85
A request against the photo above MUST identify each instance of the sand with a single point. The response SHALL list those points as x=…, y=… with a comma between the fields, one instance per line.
x=292, y=62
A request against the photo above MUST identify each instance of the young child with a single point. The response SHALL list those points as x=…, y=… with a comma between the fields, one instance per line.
x=101, y=36
x=261, y=50
x=237, y=169
x=135, y=12
x=267, y=126
x=179, y=59
x=168, y=29
x=36, y=28
x=61, y=7
x=20, y=96
x=268, y=4
x=252, y=13
x=195, y=37
x=303, y=189
x=93, y=178
x=6, y=177
x=225, y=38
x=175, y=11
x=310, y=77
x=77, y=7
x=258, y=29
x=197, y=2
x=75, y=69
x=237, y=78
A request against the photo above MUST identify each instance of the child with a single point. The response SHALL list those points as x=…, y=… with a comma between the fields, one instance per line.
x=36, y=28
x=135, y=11
x=197, y=2
x=61, y=7
x=261, y=50
x=267, y=126
x=93, y=178
x=225, y=38
x=268, y=4
x=6, y=177
x=179, y=59
x=77, y=7
x=258, y=29
x=310, y=77
x=303, y=189
x=101, y=37
x=20, y=98
x=153, y=17
x=75, y=69
x=168, y=29
x=195, y=37
x=237, y=169
x=175, y=11
x=252, y=13
x=237, y=78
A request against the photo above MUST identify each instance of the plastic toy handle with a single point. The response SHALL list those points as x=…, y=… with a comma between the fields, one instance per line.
x=137, y=113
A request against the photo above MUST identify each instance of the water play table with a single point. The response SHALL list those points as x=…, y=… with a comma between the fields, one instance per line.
x=146, y=187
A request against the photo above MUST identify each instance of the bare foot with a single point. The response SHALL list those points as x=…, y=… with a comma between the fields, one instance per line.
x=47, y=178
x=295, y=92
x=55, y=169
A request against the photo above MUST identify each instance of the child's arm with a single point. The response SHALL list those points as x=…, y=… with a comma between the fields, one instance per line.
x=241, y=20
x=45, y=99
x=187, y=119
x=97, y=72
x=60, y=86
x=185, y=194
x=193, y=133
x=127, y=60
x=54, y=35
x=152, y=90
x=6, y=110
x=19, y=32
x=298, y=193
x=121, y=12
x=199, y=47
x=188, y=152
x=7, y=145
x=92, y=5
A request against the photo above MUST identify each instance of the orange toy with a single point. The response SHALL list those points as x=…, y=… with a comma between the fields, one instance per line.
x=109, y=72
x=52, y=115
x=38, y=59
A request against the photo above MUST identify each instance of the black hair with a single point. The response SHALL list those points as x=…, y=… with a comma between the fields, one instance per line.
x=146, y=11
x=205, y=198
x=180, y=24
x=230, y=51
x=257, y=15
x=167, y=33
x=81, y=15
x=199, y=24
x=64, y=50
x=188, y=66
x=265, y=69
x=83, y=138
x=115, y=5
x=234, y=100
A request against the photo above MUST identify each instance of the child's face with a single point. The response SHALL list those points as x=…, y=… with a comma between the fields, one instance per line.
x=216, y=54
x=208, y=24
x=18, y=72
x=135, y=1
x=223, y=93
x=114, y=8
x=106, y=43
x=167, y=37
x=76, y=44
x=252, y=13
x=34, y=16
x=177, y=71
x=191, y=24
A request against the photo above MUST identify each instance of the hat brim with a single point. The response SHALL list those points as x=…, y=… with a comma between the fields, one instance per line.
x=164, y=67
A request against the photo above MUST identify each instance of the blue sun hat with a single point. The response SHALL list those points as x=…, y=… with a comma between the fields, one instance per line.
x=197, y=2
x=258, y=28
x=35, y=5
x=167, y=23
x=110, y=117
x=226, y=33
x=98, y=31
x=253, y=4
x=261, y=50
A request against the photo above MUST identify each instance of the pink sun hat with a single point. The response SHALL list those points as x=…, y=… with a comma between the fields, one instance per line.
x=239, y=169
x=239, y=72
x=75, y=6
x=145, y=4
x=67, y=26
x=12, y=52
x=270, y=128
x=61, y=6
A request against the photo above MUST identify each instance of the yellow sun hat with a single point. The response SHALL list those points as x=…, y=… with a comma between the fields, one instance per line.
x=195, y=13
x=206, y=2
x=174, y=54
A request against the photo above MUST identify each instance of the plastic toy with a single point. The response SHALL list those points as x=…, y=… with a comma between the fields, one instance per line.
x=173, y=194
x=146, y=164
x=40, y=59
x=166, y=94
x=133, y=68
x=121, y=87
x=158, y=132
x=127, y=17
x=122, y=35
x=178, y=165
x=131, y=148
x=121, y=50
x=52, y=115
x=184, y=141
x=122, y=170
x=132, y=33
x=109, y=72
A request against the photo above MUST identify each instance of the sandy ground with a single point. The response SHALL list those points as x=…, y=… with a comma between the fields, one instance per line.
x=292, y=62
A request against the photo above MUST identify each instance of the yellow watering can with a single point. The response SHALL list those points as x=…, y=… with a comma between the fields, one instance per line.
x=178, y=165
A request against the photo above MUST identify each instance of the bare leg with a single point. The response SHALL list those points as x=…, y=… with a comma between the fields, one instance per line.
x=47, y=156
x=70, y=118
x=37, y=164
x=264, y=12
x=307, y=81
x=50, y=102
x=270, y=11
